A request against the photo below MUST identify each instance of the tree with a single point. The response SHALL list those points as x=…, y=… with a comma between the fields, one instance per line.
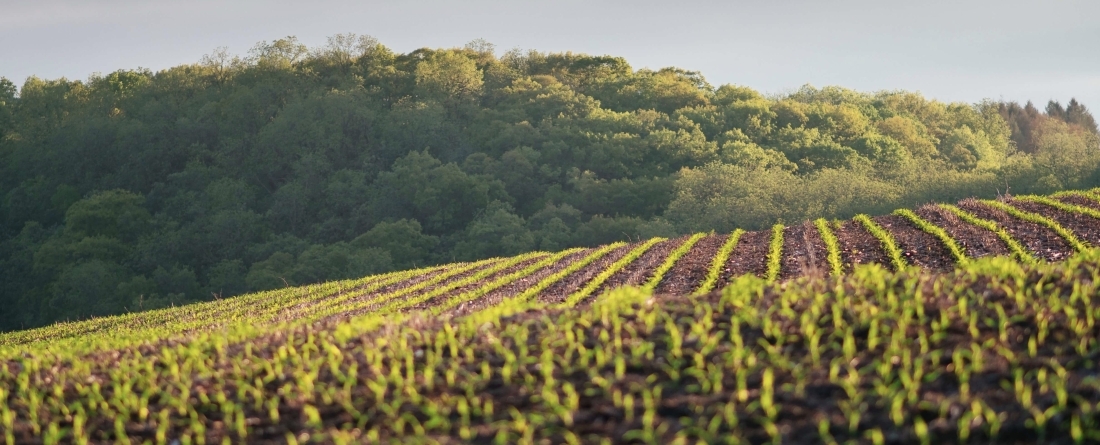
x=449, y=77
x=402, y=239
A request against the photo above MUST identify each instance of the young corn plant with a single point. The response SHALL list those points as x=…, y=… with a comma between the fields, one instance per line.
x=934, y=230
x=670, y=262
x=1013, y=245
x=889, y=244
x=832, y=247
x=775, y=253
x=714, y=273
x=1067, y=235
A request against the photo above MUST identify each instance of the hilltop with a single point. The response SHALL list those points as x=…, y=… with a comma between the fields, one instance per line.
x=973, y=321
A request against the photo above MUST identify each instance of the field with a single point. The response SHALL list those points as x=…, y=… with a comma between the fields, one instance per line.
x=967, y=322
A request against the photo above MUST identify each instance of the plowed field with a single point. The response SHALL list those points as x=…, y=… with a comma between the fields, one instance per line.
x=619, y=343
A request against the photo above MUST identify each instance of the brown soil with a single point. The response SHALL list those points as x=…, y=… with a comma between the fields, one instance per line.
x=975, y=241
x=1085, y=227
x=858, y=246
x=749, y=256
x=804, y=253
x=379, y=304
x=691, y=269
x=917, y=246
x=637, y=272
x=297, y=310
x=516, y=287
x=1081, y=201
x=477, y=284
x=561, y=290
x=1039, y=240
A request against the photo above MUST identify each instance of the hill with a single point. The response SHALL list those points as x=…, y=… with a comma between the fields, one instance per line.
x=136, y=189
x=967, y=322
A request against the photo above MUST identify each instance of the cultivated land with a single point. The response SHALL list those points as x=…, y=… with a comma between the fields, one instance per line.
x=974, y=321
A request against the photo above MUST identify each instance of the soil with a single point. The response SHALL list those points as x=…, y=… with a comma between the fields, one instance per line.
x=378, y=304
x=489, y=279
x=975, y=241
x=516, y=287
x=917, y=246
x=1085, y=227
x=690, y=271
x=1081, y=201
x=749, y=256
x=1038, y=240
x=639, y=271
x=858, y=246
x=561, y=290
x=804, y=252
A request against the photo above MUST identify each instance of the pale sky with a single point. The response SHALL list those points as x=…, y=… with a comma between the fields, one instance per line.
x=950, y=50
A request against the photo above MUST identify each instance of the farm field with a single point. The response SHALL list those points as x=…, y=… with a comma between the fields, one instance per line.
x=974, y=321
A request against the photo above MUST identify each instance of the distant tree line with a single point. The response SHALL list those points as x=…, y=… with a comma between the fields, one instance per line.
x=135, y=190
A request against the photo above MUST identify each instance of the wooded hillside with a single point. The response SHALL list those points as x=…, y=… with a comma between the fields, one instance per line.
x=134, y=189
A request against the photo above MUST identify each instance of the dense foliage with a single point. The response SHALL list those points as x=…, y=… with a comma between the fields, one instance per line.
x=134, y=189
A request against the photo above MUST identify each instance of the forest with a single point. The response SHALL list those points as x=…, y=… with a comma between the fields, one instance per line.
x=293, y=165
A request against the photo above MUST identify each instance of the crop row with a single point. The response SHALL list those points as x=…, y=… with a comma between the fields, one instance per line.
x=998, y=351
x=440, y=289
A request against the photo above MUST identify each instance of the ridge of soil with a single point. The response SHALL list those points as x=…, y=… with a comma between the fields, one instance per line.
x=1081, y=201
x=291, y=313
x=750, y=255
x=1039, y=240
x=691, y=269
x=472, y=286
x=1085, y=227
x=804, y=252
x=917, y=246
x=975, y=241
x=639, y=270
x=374, y=306
x=858, y=246
x=561, y=290
x=516, y=287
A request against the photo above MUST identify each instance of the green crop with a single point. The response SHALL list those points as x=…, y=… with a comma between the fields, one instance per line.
x=595, y=283
x=832, y=246
x=1014, y=246
x=669, y=262
x=997, y=350
x=775, y=253
x=889, y=244
x=932, y=229
x=1070, y=238
x=715, y=270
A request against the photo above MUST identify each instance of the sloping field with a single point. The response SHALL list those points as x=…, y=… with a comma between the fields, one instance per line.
x=974, y=321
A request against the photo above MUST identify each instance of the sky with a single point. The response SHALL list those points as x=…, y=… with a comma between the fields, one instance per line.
x=949, y=50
